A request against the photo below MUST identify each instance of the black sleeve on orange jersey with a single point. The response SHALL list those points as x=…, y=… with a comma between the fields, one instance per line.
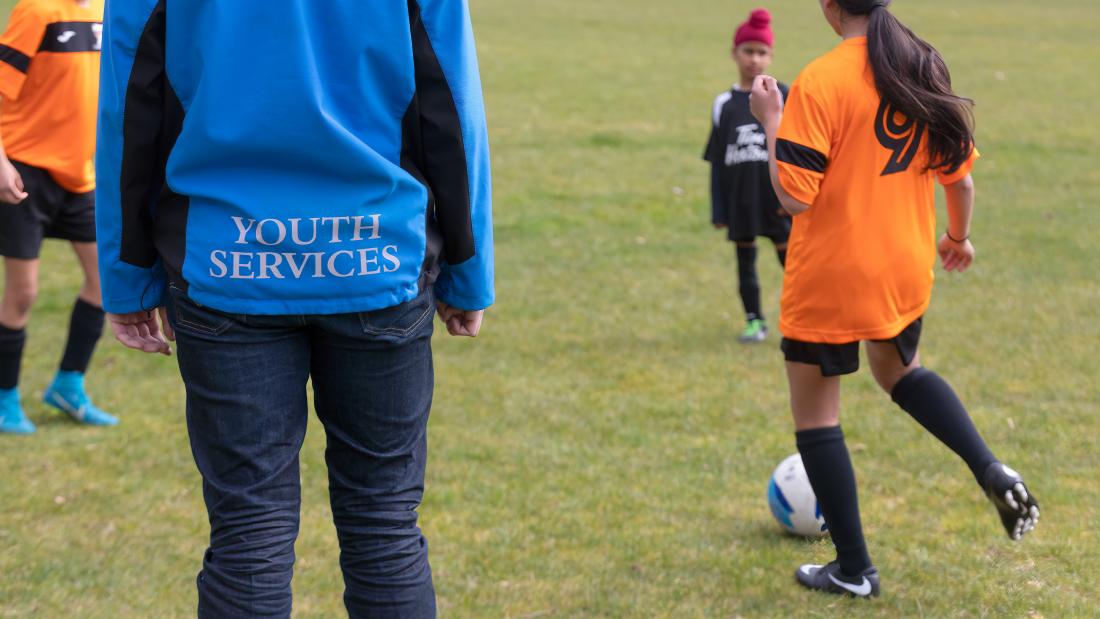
x=70, y=36
x=17, y=59
x=20, y=41
x=800, y=156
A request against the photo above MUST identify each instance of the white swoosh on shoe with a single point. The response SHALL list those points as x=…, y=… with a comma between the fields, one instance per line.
x=862, y=589
x=74, y=412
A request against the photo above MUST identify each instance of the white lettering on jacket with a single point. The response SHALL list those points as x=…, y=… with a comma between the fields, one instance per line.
x=280, y=249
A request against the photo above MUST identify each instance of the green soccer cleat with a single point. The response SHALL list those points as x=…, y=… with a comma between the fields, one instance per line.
x=755, y=332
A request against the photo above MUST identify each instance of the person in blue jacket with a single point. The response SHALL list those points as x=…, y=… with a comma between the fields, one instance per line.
x=290, y=190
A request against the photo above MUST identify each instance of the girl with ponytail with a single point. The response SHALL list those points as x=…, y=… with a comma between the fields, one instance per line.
x=855, y=151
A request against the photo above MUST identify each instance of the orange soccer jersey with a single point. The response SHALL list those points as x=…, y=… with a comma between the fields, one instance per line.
x=860, y=259
x=49, y=81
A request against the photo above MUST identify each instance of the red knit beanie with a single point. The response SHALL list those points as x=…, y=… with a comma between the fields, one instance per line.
x=758, y=28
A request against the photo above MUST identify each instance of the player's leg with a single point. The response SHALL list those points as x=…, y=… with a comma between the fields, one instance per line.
x=87, y=255
x=813, y=373
x=373, y=380
x=67, y=392
x=780, y=243
x=781, y=253
x=927, y=398
x=20, y=291
x=756, y=329
x=22, y=228
x=933, y=403
x=245, y=379
x=815, y=403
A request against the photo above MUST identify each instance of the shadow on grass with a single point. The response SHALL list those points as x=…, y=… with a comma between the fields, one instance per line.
x=761, y=530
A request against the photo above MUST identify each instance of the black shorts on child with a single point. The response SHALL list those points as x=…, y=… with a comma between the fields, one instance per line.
x=839, y=359
x=49, y=211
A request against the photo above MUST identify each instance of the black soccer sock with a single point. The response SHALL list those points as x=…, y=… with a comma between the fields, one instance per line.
x=11, y=355
x=931, y=401
x=829, y=468
x=85, y=327
x=782, y=255
x=749, y=285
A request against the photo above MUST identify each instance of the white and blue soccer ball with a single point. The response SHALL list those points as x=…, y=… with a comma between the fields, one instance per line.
x=792, y=499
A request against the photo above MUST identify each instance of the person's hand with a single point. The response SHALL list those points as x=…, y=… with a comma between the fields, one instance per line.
x=142, y=331
x=460, y=322
x=955, y=256
x=766, y=101
x=11, y=184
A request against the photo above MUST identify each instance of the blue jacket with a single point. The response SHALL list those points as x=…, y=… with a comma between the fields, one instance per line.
x=292, y=156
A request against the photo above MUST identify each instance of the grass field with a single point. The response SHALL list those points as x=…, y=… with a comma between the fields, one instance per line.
x=603, y=449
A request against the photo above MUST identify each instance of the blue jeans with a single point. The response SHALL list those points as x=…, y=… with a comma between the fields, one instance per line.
x=246, y=416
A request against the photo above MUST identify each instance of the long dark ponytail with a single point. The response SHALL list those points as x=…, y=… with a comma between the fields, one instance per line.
x=913, y=78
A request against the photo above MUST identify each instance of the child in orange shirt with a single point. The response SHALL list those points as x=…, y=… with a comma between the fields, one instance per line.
x=866, y=131
x=49, y=79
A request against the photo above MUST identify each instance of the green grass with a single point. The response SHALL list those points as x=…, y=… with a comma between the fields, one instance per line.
x=603, y=449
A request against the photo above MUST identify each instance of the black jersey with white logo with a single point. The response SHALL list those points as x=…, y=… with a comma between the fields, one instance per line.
x=741, y=191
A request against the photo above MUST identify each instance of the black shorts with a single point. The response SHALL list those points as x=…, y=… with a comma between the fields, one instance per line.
x=49, y=211
x=838, y=359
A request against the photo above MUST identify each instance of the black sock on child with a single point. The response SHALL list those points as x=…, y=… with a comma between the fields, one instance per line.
x=749, y=285
x=829, y=468
x=933, y=403
x=11, y=355
x=85, y=328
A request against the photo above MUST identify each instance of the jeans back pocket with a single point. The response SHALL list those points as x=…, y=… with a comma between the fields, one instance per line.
x=197, y=319
x=400, y=320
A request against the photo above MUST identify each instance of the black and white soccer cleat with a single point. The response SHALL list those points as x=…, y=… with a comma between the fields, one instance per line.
x=830, y=579
x=1017, y=507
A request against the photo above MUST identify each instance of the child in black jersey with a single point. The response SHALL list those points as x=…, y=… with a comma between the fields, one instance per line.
x=742, y=199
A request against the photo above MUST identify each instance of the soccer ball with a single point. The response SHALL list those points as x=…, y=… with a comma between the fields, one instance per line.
x=792, y=499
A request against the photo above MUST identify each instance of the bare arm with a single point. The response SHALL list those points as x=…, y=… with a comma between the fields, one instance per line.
x=789, y=204
x=767, y=105
x=11, y=184
x=955, y=249
x=960, y=206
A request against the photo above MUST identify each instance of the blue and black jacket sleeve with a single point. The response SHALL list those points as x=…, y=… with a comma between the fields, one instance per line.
x=455, y=149
x=131, y=152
